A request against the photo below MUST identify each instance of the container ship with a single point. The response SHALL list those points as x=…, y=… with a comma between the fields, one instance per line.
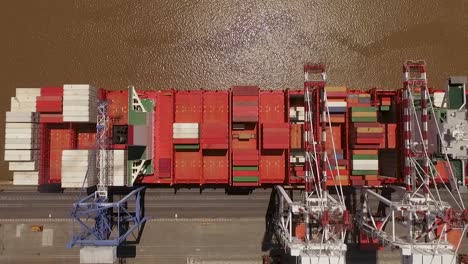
x=240, y=137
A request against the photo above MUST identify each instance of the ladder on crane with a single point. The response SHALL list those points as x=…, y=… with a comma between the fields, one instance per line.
x=99, y=224
x=324, y=219
x=418, y=221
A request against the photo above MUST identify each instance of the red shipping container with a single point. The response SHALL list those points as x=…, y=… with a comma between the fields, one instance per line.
x=185, y=141
x=373, y=183
x=340, y=162
x=275, y=146
x=358, y=182
x=365, y=152
x=244, y=173
x=334, y=172
x=368, y=141
x=245, y=118
x=245, y=100
x=246, y=152
x=342, y=182
x=214, y=130
x=51, y=91
x=51, y=118
x=49, y=107
x=391, y=135
x=368, y=135
x=245, y=90
x=48, y=98
x=245, y=163
x=337, y=94
x=371, y=177
x=365, y=146
x=244, y=157
x=300, y=173
x=355, y=178
x=366, y=125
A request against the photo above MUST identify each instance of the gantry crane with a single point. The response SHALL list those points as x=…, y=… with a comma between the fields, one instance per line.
x=417, y=221
x=324, y=218
x=103, y=224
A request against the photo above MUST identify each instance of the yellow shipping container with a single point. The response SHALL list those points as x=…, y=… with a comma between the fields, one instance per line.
x=341, y=89
x=364, y=114
x=370, y=129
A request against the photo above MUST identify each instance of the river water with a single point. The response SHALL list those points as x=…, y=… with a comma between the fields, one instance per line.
x=217, y=44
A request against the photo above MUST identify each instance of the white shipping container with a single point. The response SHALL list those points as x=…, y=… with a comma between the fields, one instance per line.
x=186, y=135
x=79, y=119
x=21, y=130
x=300, y=108
x=185, y=125
x=28, y=136
x=22, y=117
x=336, y=104
x=28, y=91
x=25, y=178
x=73, y=108
x=22, y=146
x=365, y=164
x=21, y=125
x=185, y=131
x=24, y=98
x=21, y=140
x=79, y=87
x=90, y=103
x=23, y=166
x=292, y=113
x=21, y=155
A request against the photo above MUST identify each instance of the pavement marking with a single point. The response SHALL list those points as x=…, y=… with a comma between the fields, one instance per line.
x=19, y=229
x=47, y=237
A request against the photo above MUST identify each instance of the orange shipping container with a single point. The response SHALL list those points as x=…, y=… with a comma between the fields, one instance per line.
x=335, y=131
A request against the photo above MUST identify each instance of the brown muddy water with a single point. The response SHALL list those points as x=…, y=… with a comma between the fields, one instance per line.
x=217, y=44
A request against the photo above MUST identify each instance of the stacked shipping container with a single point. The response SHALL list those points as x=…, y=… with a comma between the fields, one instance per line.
x=22, y=137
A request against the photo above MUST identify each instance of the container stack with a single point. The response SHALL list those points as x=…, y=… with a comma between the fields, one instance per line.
x=79, y=103
x=337, y=103
x=245, y=104
x=337, y=107
x=363, y=114
x=79, y=168
x=186, y=136
x=385, y=103
x=297, y=162
x=297, y=114
x=25, y=100
x=22, y=137
x=337, y=172
x=245, y=131
x=366, y=136
x=245, y=166
x=49, y=104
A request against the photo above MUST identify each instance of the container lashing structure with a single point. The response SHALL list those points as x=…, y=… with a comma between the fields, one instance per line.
x=418, y=221
x=323, y=219
x=102, y=222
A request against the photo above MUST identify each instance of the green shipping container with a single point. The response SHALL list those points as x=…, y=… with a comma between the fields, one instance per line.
x=363, y=109
x=365, y=157
x=364, y=119
x=245, y=179
x=183, y=146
